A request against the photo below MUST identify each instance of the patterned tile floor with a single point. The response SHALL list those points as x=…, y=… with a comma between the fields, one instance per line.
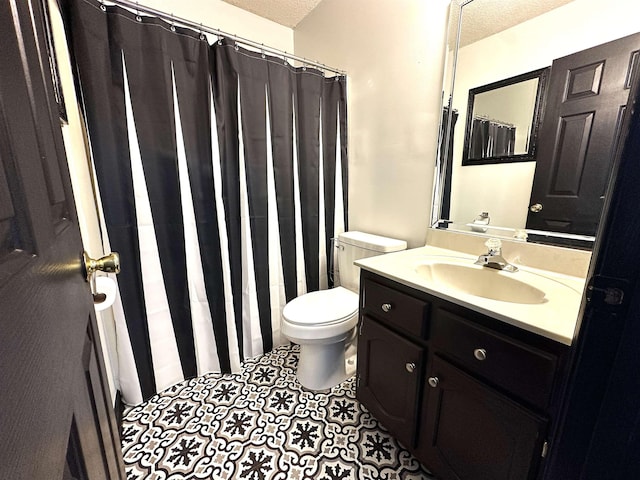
x=260, y=425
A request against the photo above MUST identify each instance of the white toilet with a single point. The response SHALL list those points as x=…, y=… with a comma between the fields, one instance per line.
x=323, y=323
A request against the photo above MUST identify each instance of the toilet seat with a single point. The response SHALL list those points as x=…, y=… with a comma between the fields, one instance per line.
x=322, y=308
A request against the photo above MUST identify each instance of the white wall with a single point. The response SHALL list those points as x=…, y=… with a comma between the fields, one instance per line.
x=392, y=51
x=504, y=190
x=213, y=13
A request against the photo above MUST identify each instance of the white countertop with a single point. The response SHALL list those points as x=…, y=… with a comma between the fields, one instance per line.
x=555, y=318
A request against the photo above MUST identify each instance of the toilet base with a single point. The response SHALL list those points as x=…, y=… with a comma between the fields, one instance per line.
x=322, y=366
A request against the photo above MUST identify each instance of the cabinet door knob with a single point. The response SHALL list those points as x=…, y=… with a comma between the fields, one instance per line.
x=410, y=366
x=480, y=354
x=433, y=382
x=386, y=307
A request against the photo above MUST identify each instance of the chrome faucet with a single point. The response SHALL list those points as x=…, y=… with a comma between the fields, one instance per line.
x=493, y=258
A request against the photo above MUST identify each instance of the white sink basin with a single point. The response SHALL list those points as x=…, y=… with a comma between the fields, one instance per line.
x=482, y=281
x=539, y=301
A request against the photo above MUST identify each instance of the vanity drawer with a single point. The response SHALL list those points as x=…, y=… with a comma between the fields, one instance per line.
x=396, y=308
x=522, y=370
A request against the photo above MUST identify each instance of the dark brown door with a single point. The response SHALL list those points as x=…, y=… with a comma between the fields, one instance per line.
x=57, y=418
x=586, y=99
x=471, y=432
x=389, y=372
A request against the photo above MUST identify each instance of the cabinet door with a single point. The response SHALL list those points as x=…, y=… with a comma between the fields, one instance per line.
x=389, y=370
x=471, y=432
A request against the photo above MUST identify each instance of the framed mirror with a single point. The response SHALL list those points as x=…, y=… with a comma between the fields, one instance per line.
x=557, y=196
x=503, y=119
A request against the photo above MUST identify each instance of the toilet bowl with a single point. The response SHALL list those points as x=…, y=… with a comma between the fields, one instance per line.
x=324, y=323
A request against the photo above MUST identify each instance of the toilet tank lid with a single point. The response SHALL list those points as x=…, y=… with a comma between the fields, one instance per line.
x=372, y=242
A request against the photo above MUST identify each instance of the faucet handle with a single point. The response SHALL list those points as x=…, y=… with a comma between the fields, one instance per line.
x=493, y=244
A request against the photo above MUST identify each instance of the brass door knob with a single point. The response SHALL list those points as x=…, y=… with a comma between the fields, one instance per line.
x=108, y=264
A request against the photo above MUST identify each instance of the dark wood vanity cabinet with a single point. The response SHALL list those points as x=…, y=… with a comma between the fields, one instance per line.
x=390, y=378
x=470, y=431
x=470, y=396
x=392, y=358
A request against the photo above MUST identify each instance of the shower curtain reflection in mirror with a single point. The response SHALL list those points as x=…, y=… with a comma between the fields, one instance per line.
x=503, y=119
x=491, y=138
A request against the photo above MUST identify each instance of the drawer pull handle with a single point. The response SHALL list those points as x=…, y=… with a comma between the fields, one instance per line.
x=433, y=382
x=386, y=307
x=480, y=354
x=410, y=366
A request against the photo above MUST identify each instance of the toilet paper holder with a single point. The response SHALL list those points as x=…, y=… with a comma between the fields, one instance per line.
x=108, y=264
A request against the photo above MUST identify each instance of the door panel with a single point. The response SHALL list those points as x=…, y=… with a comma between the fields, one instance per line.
x=15, y=235
x=57, y=416
x=586, y=98
x=100, y=403
x=584, y=81
x=573, y=140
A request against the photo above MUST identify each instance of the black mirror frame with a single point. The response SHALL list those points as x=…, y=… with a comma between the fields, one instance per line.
x=542, y=76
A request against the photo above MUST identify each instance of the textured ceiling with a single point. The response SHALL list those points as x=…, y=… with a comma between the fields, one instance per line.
x=285, y=12
x=482, y=18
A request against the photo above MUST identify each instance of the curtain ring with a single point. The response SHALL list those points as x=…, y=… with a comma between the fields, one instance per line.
x=284, y=58
x=236, y=46
x=103, y=7
x=220, y=40
x=201, y=34
x=262, y=51
x=304, y=64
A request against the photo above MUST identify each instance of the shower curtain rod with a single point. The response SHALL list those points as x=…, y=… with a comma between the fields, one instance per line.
x=173, y=20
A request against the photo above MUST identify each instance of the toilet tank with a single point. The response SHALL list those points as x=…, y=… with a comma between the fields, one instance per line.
x=354, y=246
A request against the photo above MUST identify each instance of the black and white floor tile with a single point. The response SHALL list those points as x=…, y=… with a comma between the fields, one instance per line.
x=260, y=425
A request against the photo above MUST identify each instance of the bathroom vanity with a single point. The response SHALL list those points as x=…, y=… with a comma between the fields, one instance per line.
x=470, y=389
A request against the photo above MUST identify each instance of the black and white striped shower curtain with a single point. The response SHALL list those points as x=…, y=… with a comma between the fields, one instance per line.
x=221, y=175
x=491, y=139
